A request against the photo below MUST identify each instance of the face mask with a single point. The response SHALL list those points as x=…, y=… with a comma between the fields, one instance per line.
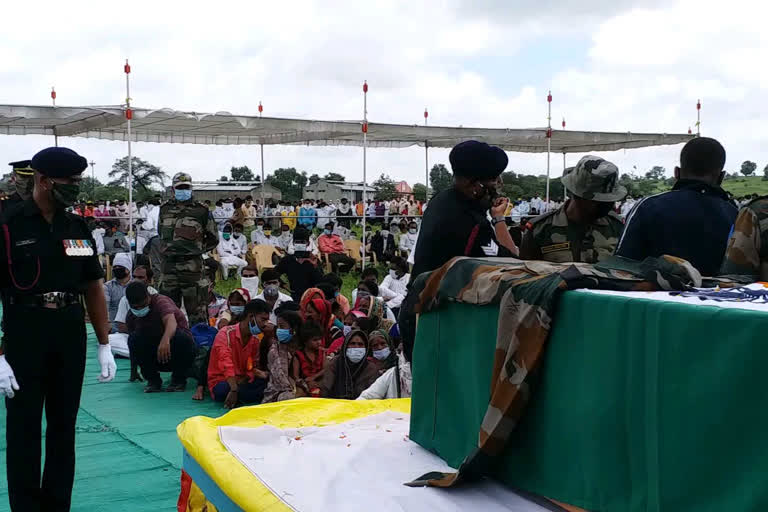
x=226, y=236
x=254, y=328
x=356, y=355
x=182, y=194
x=283, y=335
x=382, y=354
x=393, y=274
x=327, y=231
x=384, y=232
x=251, y=284
x=271, y=290
x=267, y=232
x=604, y=209
x=65, y=193
x=120, y=272
x=238, y=234
x=412, y=231
x=237, y=310
x=347, y=329
x=285, y=231
x=138, y=313
x=260, y=227
x=24, y=186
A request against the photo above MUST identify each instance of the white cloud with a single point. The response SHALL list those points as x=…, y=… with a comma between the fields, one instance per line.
x=645, y=66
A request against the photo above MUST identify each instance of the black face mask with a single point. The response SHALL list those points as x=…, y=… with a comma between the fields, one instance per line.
x=120, y=272
x=604, y=209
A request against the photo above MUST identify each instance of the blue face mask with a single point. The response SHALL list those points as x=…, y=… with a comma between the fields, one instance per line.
x=382, y=354
x=226, y=236
x=355, y=355
x=138, y=313
x=327, y=231
x=254, y=328
x=347, y=330
x=183, y=194
x=284, y=335
x=237, y=310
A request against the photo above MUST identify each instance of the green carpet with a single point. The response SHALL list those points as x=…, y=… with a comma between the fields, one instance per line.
x=128, y=455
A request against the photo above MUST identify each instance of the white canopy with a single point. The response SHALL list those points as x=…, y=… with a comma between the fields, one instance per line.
x=223, y=128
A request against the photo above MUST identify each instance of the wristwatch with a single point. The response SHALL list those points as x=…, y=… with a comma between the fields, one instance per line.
x=497, y=220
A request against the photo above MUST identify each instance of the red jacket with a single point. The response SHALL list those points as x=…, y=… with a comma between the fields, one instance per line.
x=330, y=244
x=229, y=358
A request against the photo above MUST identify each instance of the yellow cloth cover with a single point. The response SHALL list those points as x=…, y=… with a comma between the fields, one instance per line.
x=200, y=438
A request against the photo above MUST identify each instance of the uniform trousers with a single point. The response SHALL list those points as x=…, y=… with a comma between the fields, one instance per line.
x=46, y=350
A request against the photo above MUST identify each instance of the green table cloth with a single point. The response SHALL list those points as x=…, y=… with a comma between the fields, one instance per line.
x=639, y=405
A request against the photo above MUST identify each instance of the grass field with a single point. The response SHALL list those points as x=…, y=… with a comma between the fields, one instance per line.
x=739, y=187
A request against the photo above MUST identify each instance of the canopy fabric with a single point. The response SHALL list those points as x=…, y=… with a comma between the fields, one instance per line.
x=222, y=128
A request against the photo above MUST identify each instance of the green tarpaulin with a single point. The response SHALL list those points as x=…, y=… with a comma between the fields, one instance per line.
x=640, y=405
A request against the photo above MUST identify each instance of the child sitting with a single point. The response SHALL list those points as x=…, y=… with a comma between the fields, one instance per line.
x=308, y=365
x=281, y=386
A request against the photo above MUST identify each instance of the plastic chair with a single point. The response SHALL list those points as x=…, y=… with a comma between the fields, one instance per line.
x=353, y=248
x=262, y=256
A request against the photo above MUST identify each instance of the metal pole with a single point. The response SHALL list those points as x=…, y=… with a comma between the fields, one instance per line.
x=263, y=206
x=93, y=181
x=426, y=159
x=53, y=99
x=565, y=192
x=698, y=118
x=549, y=141
x=365, y=147
x=129, y=116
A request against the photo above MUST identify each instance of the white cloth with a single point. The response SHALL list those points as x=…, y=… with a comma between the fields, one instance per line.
x=106, y=363
x=123, y=259
x=363, y=461
x=242, y=241
x=228, y=262
x=693, y=301
x=98, y=237
x=281, y=297
x=396, y=287
x=284, y=240
x=386, y=386
x=260, y=238
x=220, y=217
x=8, y=384
x=408, y=241
x=119, y=344
x=228, y=247
x=251, y=284
x=123, y=307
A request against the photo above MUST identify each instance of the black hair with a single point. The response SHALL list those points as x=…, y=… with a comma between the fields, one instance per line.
x=219, y=203
x=257, y=306
x=336, y=309
x=370, y=271
x=292, y=318
x=702, y=156
x=227, y=227
x=367, y=324
x=260, y=220
x=238, y=225
x=147, y=269
x=399, y=263
x=249, y=198
x=372, y=287
x=309, y=330
x=136, y=292
x=334, y=279
x=327, y=289
x=238, y=202
x=329, y=224
x=300, y=234
x=269, y=274
x=287, y=306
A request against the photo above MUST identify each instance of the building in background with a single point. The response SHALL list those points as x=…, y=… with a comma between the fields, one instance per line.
x=213, y=191
x=403, y=189
x=335, y=190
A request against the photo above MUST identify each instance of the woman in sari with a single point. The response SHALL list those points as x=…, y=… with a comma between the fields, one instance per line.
x=349, y=373
x=374, y=307
x=396, y=380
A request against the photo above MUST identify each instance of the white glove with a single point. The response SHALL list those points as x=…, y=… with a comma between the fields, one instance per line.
x=7, y=379
x=107, y=363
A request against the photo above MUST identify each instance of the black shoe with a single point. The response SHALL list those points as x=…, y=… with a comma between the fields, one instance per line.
x=153, y=387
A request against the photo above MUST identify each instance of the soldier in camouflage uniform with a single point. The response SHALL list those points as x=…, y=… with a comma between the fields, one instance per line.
x=186, y=232
x=747, y=252
x=585, y=229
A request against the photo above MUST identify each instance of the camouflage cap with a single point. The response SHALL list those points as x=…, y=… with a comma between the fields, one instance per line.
x=182, y=178
x=595, y=179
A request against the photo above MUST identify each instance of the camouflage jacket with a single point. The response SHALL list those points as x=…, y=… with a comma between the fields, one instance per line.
x=550, y=237
x=747, y=252
x=186, y=229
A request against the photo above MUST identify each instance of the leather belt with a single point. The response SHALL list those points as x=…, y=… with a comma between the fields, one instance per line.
x=49, y=300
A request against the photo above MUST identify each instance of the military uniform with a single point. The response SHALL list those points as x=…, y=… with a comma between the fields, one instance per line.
x=747, y=252
x=23, y=179
x=186, y=232
x=553, y=237
x=45, y=271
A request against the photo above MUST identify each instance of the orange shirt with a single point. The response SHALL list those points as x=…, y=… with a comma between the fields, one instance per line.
x=230, y=358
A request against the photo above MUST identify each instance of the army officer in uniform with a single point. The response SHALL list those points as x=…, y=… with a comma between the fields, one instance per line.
x=49, y=270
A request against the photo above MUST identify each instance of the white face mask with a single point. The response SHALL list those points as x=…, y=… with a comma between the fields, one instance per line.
x=384, y=232
x=251, y=284
x=393, y=274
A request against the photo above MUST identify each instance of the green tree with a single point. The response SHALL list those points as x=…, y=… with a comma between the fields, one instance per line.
x=242, y=173
x=765, y=173
x=88, y=187
x=144, y=174
x=748, y=168
x=656, y=173
x=440, y=178
x=314, y=179
x=223, y=178
x=385, y=188
x=419, y=192
x=288, y=181
x=334, y=176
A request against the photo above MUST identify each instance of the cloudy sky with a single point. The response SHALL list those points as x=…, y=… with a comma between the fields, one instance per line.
x=613, y=65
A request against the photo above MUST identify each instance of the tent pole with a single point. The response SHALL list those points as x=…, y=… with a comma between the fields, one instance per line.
x=129, y=116
x=698, y=118
x=261, y=109
x=426, y=159
x=365, y=147
x=549, y=142
x=565, y=193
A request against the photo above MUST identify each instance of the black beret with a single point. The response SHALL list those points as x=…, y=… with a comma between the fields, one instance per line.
x=475, y=159
x=21, y=165
x=58, y=163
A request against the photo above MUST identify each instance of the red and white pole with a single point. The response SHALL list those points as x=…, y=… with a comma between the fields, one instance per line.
x=426, y=158
x=263, y=205
x=549, y=141
x=698, y=118
x=365, y=148
x=129, y=117
x=53, y=99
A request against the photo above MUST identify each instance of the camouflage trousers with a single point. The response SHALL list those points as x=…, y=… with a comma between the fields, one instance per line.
x=185, y=279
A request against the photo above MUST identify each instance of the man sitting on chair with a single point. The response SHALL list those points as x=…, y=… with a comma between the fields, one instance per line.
x=230, y=252
x=333, y=246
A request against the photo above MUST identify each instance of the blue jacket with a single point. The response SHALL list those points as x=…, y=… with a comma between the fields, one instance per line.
x=692, y=221
x=307, y=216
